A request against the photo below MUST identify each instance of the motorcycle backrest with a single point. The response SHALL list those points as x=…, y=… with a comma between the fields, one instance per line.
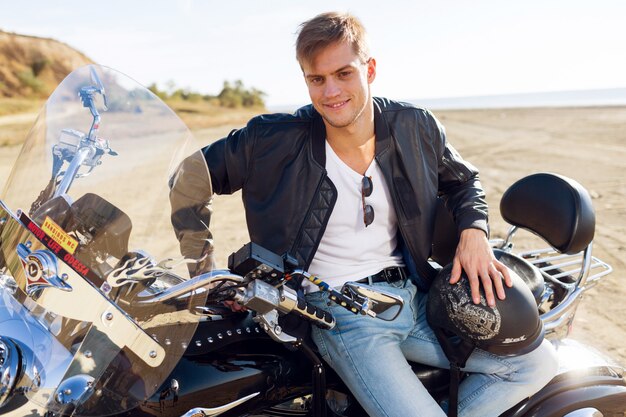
x=555, y=207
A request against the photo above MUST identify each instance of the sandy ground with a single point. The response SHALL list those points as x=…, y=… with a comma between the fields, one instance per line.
x=587, y=144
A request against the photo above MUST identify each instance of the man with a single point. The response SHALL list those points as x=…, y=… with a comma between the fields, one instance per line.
x=348, y=186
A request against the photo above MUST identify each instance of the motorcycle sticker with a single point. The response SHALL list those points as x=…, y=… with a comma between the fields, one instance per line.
x=59, y=235
x=57, y=251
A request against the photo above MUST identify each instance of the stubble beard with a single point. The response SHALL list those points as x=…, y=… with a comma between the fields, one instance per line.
x=358, y=113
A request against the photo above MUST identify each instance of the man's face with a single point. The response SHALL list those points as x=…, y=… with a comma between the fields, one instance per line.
x=338, y=82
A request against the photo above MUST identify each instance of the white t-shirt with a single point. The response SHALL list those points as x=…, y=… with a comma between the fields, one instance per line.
x=349, y=251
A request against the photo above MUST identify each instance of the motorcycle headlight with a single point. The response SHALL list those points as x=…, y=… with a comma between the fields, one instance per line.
x=10, y=358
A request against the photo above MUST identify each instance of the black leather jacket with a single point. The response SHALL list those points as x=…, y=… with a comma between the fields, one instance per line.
x=278, y=162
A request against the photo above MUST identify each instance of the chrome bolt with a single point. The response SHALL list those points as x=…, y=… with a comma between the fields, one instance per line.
x=168, y=342
x=256, y=329
x=229, y=333
x=210, y=339
x=64, y=277
x=198, y=343
x=108, y=316
x=153, y=354
x=28, y=244
x=220, y=336
x=88, y=354
x=3, y=221
x=67, y=392
x=248, y=330
x=278, y=329
x=238, y=331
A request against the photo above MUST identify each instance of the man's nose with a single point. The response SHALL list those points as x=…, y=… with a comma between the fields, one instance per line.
x=331, y=88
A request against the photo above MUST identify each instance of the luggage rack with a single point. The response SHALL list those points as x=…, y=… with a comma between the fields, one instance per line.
x=569, y=271
x=568, y=278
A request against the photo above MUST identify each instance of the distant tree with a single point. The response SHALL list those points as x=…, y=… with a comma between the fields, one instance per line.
x=238, y=96
x=38, y=65
x=159, y=93
x=233, y=95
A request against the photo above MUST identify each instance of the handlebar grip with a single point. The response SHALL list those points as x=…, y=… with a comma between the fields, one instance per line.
x=319, y=317
x=345, y=302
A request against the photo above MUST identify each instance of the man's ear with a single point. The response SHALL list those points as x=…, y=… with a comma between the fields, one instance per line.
x=371, y=70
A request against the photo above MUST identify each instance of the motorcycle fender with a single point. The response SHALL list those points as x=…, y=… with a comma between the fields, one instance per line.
x=600, y=387
x=608, y=399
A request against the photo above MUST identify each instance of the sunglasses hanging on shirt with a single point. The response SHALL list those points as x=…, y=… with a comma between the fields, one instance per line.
x=366, y=190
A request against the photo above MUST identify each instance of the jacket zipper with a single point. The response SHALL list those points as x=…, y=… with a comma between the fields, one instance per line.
x=458, y=174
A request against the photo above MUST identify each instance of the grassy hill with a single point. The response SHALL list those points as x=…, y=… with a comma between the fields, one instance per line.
x=31, y=67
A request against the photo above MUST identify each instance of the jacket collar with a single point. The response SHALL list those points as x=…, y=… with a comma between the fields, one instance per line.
x=318, y=133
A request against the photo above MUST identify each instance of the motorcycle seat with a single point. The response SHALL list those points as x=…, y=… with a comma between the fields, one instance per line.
x=435, y=380
x=230, y=327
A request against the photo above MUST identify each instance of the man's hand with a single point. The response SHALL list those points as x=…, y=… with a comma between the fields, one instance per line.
x=235, y=306
x=475, y=257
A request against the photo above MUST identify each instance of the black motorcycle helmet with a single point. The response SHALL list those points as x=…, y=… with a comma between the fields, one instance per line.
x=512, y=327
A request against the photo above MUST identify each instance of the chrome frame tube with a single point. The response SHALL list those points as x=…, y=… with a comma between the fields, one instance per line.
x=70, y=174
x=555, y=318
x=210, y=412
x=191, y=285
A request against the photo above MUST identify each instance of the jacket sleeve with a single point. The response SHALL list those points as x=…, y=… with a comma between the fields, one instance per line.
x=190, y=200
x=459, y=186
x=220, y=168
x=229, y=159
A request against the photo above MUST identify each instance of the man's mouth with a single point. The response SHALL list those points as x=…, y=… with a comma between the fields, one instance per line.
x=336, y=105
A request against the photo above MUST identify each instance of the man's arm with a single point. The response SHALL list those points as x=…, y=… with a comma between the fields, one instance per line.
x=460, y=187
x=190, y=200
x=219, y=168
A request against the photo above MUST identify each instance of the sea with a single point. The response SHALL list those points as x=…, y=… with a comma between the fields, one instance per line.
x=575, y=98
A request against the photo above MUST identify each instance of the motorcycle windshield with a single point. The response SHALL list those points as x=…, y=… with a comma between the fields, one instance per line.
x=89, y=248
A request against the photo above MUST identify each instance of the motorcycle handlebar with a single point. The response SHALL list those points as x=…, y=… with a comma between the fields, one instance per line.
x=265, y=298
x=321, y=318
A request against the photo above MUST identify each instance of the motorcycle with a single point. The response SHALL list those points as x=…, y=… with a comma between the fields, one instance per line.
x=98, y=317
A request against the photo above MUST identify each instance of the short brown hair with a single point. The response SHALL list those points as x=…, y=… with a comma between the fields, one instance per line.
x=328, y=28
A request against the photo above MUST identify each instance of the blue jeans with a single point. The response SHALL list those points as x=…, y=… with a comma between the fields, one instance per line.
x=370, y=355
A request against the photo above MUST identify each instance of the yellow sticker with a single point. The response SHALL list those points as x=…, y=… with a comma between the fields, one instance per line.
x=59, y=235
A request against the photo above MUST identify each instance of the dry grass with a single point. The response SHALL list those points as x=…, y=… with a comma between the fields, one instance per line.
x=17, y=116
x=203, y=115
x=19, y=105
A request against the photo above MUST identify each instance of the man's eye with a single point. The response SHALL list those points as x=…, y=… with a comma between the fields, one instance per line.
x=345, y=74
x=316, y=80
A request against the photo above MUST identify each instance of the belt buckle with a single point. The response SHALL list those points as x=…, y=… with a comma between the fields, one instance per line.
x=387, y=273
x=391, y=272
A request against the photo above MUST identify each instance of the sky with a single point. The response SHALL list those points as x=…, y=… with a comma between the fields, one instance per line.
x=423, y=48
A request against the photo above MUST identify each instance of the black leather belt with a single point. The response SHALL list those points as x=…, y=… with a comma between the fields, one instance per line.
x=392, y=274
